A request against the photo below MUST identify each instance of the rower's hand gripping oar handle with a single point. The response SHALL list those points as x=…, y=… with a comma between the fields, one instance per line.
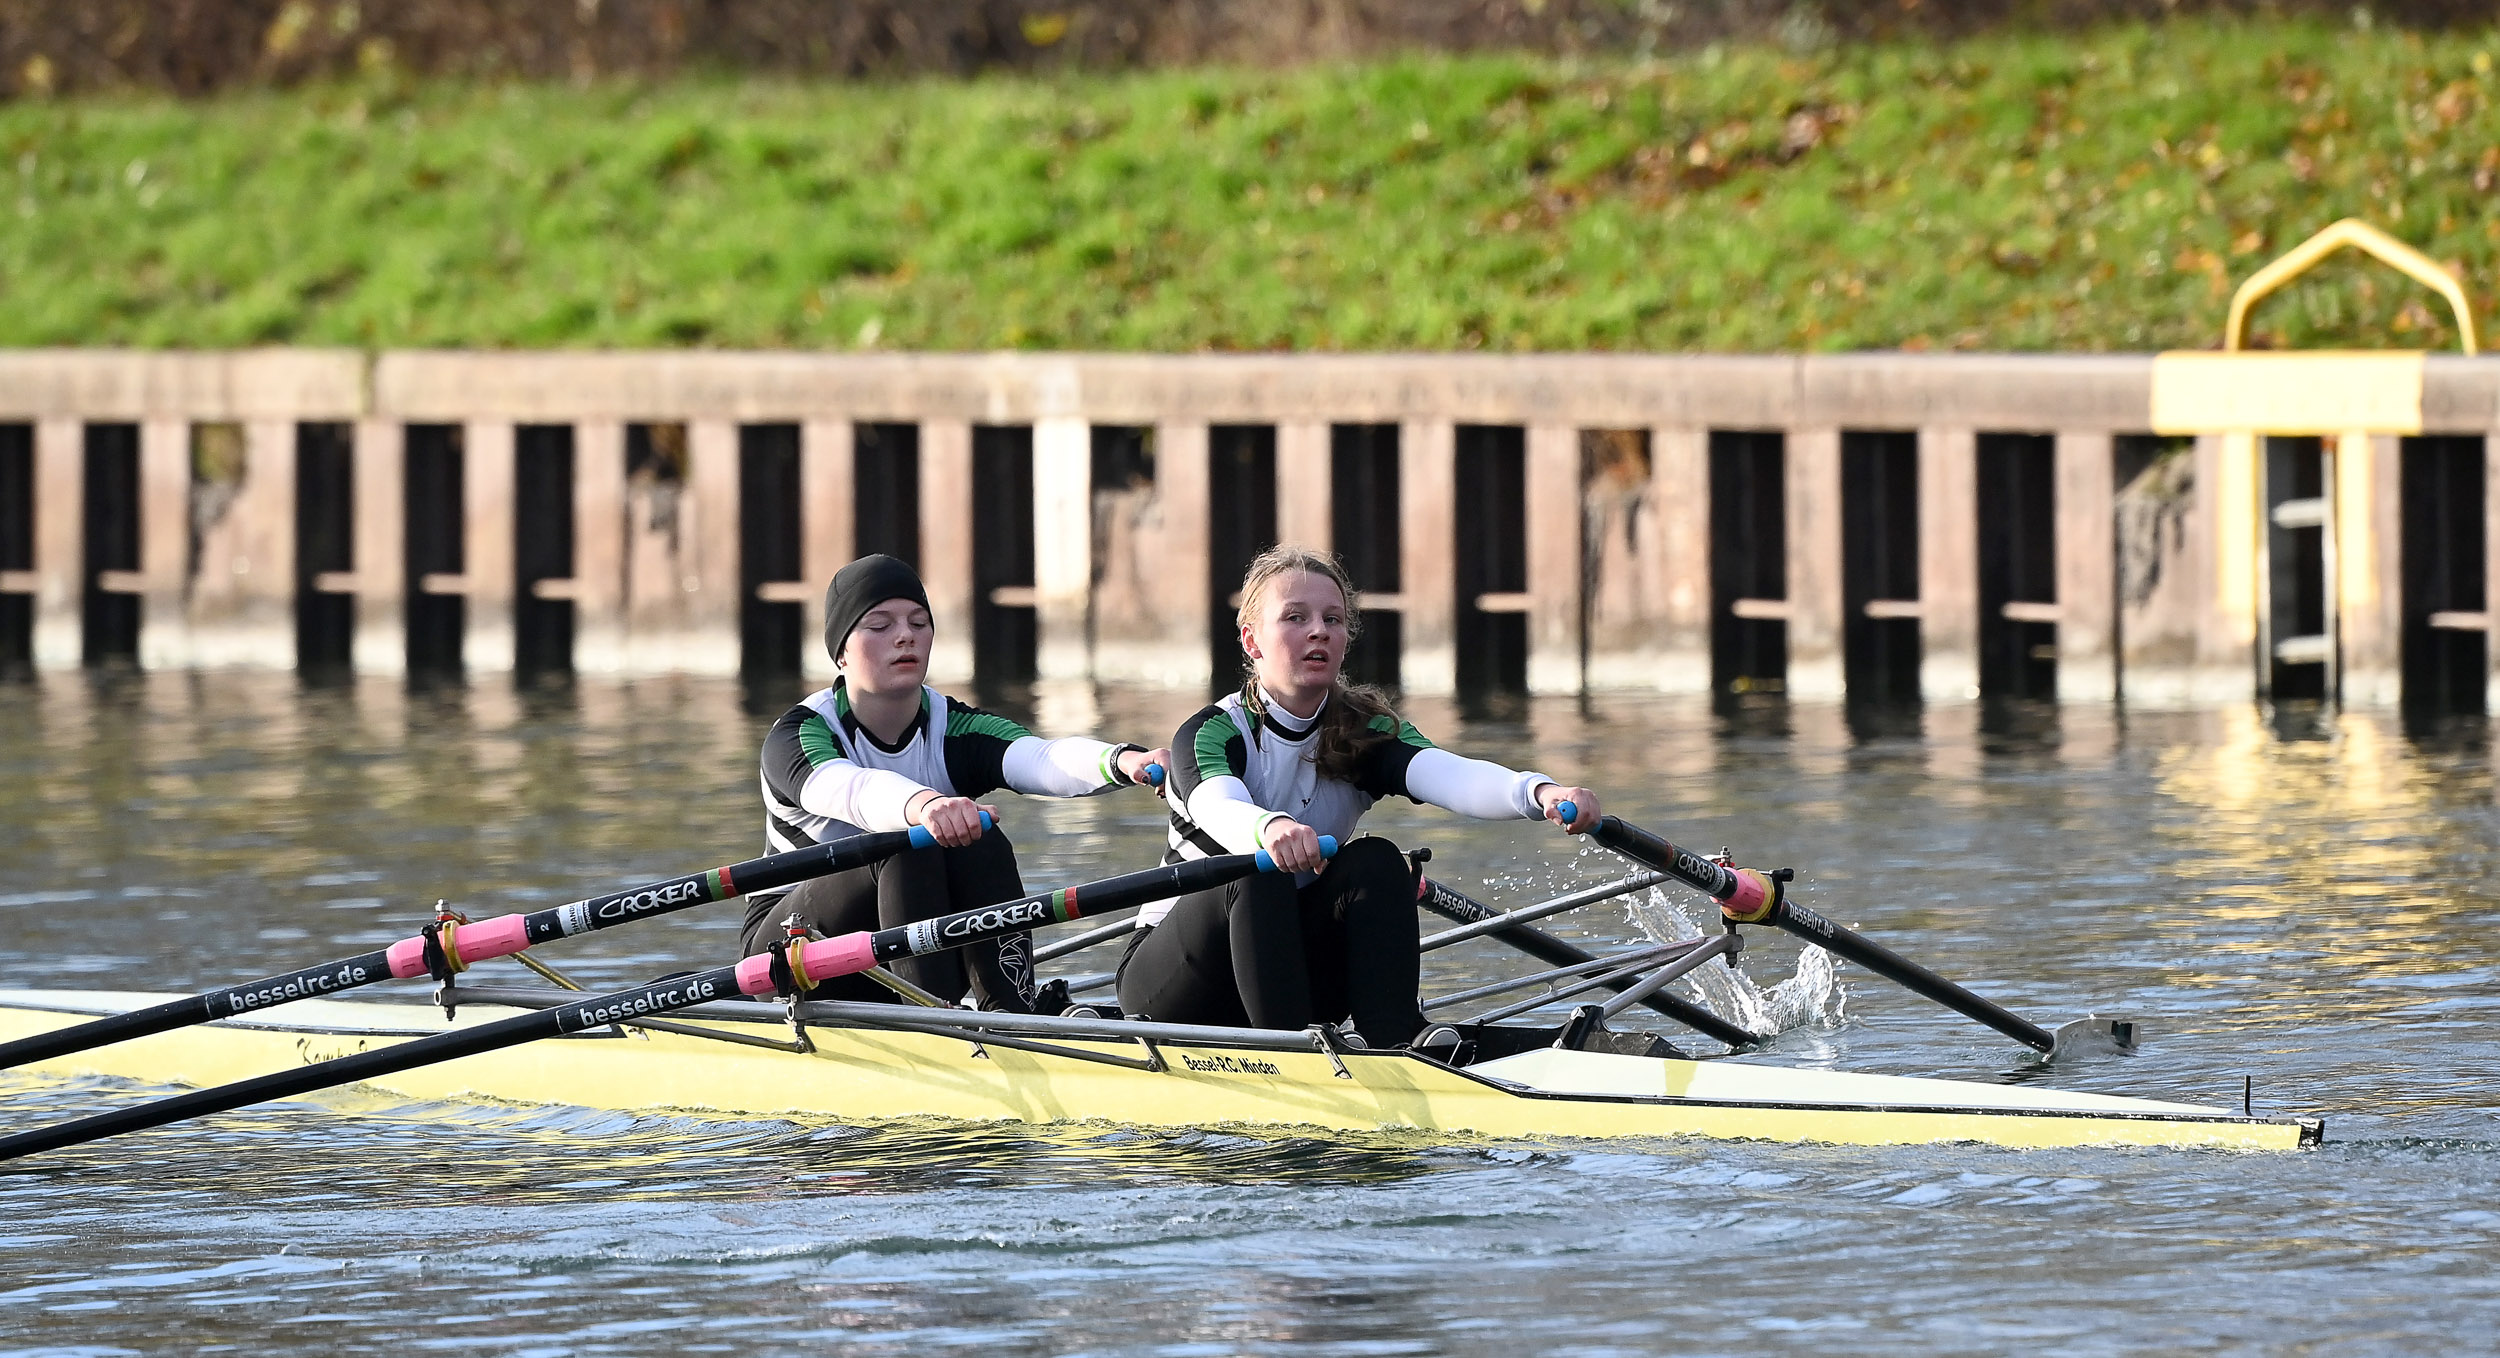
x=1327, y=849
x=804, y=963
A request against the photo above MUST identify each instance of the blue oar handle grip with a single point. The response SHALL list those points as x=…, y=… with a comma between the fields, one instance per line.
x=1154, y=775
x=1327, y=849
x=922, y=839
x=1570, y=812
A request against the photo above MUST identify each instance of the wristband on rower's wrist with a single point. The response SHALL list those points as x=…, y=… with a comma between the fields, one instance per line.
x=1119, y=775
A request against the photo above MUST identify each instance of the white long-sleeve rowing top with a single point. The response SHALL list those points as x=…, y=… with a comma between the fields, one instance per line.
x=1235, y=770
x=825, y=775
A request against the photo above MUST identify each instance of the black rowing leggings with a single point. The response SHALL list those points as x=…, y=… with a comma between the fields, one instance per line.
x=915, y=884
x=1261, y=953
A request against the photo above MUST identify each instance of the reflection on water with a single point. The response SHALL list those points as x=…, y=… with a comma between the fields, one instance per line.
x=2299, y=900
x=2362, y=855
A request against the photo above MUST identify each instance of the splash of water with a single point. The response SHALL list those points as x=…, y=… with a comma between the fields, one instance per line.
x=1812, y=997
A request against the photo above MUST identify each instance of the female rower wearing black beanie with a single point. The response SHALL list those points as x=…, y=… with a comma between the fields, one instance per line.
x=881, y=750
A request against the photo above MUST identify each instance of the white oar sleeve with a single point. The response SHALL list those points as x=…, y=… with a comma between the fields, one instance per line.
x=1071, y=766
x=1473, y=787
x=1221, y=807
x=872, y=799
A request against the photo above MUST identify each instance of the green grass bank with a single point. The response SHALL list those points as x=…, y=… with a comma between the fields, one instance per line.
x=2093, y=192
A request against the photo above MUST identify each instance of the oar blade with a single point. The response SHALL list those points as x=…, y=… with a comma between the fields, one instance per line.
x=2094, y=1036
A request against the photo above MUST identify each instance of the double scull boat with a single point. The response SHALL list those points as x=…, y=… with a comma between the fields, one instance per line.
x=699, y=1042
x=866, y=1062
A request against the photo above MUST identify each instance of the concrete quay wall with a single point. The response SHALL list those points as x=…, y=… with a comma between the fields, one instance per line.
x=1893, y=526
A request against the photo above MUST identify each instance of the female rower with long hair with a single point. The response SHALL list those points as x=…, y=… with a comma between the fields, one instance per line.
x=881, y=750
x=1297, y=754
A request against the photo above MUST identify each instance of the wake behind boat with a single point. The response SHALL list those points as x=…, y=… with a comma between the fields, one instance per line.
x=867, y=1062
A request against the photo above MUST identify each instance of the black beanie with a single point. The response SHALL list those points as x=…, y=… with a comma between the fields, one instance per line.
x=862, y=585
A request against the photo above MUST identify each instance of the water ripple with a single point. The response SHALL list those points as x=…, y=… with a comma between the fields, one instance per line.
x=2305, y=919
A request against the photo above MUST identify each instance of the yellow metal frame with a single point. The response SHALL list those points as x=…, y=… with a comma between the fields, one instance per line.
x=2316, y=391
x=2325, y=391
x=2346, y=396
x=2359, y=235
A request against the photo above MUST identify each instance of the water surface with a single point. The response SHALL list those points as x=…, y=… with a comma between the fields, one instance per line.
x=2303, y=904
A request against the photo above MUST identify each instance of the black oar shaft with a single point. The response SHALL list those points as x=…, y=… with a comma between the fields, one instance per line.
x=801, y=965
x=1713, y=879
x=577, y=1016
x=1892, y=966
x=327, y=979
x=1741, y=892
x=1067, y=903
x=492, y=938
x=1451, y=904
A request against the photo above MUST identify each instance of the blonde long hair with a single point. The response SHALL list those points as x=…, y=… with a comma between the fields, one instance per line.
x=1345, y=729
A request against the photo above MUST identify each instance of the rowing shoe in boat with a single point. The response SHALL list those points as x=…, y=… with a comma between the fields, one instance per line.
x=868, y=1062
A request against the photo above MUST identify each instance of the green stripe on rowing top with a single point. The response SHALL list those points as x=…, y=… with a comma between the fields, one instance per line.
x=1402, y=730
x=816, y=741
x=1214, y=734
x=977, y=723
